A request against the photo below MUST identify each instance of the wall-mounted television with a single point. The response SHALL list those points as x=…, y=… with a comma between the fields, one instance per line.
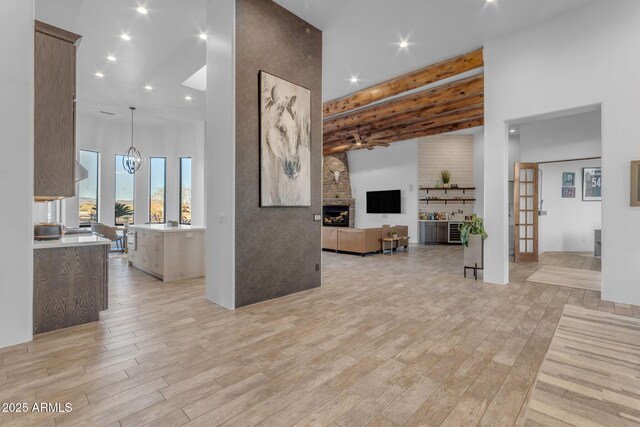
x=384, y=202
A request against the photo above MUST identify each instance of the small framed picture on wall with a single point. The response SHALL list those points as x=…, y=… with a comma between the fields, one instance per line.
x=568, y=179
x=635, y=183
x=568, y=192
x=591, y=184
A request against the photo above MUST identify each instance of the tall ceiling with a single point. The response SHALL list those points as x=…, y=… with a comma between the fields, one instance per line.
x=360, y=39
x=164, y=50
x=361, y=36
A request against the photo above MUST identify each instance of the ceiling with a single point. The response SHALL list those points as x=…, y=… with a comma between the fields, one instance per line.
x=164, y=50
x=360, y=39
x=361, y=36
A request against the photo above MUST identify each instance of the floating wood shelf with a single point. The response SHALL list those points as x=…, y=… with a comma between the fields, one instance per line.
x=446, y=201
x=446, y=190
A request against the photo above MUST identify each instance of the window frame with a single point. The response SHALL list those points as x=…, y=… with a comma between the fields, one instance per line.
x=115, y=192
x=164, y=197
x=97, y=153
x=180, y=191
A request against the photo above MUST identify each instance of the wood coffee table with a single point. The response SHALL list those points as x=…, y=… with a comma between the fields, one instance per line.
x=391, y=240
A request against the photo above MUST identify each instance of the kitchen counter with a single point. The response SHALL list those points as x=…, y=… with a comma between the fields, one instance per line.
x=70, y=241
x=164, y=228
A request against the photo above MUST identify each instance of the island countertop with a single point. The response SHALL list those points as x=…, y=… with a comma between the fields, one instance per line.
x=164, y=228
x=71, y=240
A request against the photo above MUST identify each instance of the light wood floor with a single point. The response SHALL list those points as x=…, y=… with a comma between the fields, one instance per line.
x=569, y=277
x=590, y=375
x=388, y=340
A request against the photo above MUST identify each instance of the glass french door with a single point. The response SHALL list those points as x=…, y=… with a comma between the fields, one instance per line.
x=525, y=199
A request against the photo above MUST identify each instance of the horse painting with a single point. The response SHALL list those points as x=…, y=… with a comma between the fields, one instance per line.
x=285, y=140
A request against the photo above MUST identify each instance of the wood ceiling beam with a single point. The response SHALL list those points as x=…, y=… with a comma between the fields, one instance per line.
x=450, y=92
x=404, y=136
x=416, y=79
x=406, y=117
x=394, y=128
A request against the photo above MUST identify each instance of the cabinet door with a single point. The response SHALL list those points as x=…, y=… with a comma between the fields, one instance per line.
x=431, y=234
x=54, y=132
x=443, y=232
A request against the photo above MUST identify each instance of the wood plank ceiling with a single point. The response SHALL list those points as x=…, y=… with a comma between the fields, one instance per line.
x=377, y=113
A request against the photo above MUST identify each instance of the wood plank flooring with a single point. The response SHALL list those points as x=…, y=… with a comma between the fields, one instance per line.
x=569, y=277
x=591, y=374
x=388, y=340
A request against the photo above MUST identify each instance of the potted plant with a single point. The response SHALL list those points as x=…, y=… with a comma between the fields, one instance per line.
x=472, y=235
x=446, y=177
x=394, y=233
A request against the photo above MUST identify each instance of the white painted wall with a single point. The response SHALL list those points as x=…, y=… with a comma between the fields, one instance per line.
x=393, y=168
x=16, y=171
x=586, y=57
x=478, y=171
x=569, y=223
x=110, y=136
x=220, y=150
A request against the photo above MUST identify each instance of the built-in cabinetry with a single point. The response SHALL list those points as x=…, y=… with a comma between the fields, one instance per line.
x=169, y=253
x=55, y=115
x=439, y=232
x=70, y=281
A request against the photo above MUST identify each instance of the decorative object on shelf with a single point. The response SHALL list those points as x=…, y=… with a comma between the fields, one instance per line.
x=635, y=183
x=568, y=179
x=446, y=177
x=132, y=159
x=568, y=192
x=472, y=236
x=172, y=223
x=591, y=184
x=285, y=142
x=394, y=233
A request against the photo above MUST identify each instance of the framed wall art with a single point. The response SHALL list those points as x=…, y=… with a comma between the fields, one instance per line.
x=568, y=179
x=568, y=192
x=285, y=143
x=635, y=183
x=591, y=184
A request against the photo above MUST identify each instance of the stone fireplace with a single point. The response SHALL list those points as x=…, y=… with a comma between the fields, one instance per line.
x=337, y=205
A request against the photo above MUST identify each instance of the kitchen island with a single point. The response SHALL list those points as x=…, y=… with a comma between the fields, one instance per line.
x=167, y=252
x=70, y=281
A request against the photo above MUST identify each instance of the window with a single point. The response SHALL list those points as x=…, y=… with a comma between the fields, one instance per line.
x=88, y=189
x=157, y=189
x=125, y=184
x=185, y=190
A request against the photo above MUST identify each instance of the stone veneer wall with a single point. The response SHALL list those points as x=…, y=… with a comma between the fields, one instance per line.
x=330, y=188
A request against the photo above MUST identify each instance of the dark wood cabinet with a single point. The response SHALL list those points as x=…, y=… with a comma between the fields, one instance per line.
x=55, y=115
x=70, y=286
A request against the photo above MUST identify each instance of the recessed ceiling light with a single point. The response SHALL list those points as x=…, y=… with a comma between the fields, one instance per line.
x=203, y=36
x=99, y=74
x=141, y=10
x=124, y=36
x=354, y=79
x=490, y=1
x=188, y=98
x=111, y=58
x=147, y=87
x=512, y=131
x=403, y=44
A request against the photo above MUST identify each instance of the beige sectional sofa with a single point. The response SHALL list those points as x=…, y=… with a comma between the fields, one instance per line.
x=360, y=240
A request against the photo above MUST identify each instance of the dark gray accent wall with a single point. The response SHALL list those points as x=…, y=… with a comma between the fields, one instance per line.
x=277, y=249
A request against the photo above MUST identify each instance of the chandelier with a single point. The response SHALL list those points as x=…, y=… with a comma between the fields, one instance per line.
x=132, y=159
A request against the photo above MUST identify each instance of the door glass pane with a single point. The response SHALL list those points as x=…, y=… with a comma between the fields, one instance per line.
x=125, y=185
x=185, y=190
x=523, y=231
x=530, y=189
x=529, y=203
x=88, y=188
x=523, y=203
x=530, y=231
x=529, y=245
x=529, y=217
x=523, y=217
x=523, y=189
x=523, y=175
x=530, y=175
x=157, y=189
x=523, y=246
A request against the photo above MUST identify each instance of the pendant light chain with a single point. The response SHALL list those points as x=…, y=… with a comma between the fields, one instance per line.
x=132, y=159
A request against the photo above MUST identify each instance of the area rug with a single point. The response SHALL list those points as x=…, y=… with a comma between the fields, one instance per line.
x=572, y=277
